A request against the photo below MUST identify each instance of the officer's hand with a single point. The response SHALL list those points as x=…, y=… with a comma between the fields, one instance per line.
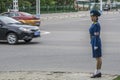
x=95, y=47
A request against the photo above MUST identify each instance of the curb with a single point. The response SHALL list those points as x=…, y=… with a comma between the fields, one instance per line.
x=43, y=75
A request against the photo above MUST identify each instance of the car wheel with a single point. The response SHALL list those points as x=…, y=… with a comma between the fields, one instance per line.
x=12, y=38
x=27, y=40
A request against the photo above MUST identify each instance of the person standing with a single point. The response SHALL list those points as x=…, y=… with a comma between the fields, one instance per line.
x=96, y=42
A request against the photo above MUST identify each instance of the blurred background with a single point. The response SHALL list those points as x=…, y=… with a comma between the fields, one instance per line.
x=58, y=6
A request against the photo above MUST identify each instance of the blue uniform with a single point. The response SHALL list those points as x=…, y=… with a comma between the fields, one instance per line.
x=95, y=39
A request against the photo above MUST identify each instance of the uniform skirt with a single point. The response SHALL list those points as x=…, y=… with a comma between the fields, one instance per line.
x=96, y=53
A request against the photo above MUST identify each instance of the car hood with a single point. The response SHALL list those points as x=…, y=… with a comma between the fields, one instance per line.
x=24, y=26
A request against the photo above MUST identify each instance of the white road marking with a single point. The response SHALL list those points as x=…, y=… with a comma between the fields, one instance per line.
x=45, y=32
x=112, y=19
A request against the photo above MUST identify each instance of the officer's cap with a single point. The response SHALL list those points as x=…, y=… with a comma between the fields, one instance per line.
x=95, y=13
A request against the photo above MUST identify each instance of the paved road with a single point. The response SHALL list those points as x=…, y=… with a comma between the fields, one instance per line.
x=66, y=48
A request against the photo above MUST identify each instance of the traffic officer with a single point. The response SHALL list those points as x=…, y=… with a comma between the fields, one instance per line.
x=96, y=42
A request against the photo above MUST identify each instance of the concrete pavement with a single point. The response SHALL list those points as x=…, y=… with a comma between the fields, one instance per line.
x=36, y=75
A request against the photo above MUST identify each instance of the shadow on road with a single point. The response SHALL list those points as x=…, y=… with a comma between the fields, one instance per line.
x=21, y=43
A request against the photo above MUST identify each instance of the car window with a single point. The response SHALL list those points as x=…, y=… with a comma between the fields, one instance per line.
x=5, y=14
x=12, y=15
x=16, y=14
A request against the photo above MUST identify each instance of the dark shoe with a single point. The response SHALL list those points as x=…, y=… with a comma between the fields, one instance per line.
x=96, y=75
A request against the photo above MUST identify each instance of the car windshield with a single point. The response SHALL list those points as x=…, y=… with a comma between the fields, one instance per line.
x=27, y=14
x=8, y=20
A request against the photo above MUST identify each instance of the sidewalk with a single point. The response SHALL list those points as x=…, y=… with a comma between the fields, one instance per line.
x=35, y=75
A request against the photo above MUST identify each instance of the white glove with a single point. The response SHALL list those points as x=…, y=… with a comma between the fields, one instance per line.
x=95, y=47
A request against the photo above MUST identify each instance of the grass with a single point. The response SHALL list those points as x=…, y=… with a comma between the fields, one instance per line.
x=118, y=78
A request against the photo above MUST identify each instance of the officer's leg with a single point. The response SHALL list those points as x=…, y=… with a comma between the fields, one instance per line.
x=99, y=63
x=98, y=68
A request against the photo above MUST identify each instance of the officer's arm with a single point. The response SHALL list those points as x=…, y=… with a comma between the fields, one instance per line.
x=97, y=30
x=96, y=34
x=95, y=42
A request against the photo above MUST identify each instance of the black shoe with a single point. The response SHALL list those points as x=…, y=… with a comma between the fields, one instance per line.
x=96, y=75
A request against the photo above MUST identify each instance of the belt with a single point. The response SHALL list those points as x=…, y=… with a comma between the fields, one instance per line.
x=94, y=36
x=91, y=36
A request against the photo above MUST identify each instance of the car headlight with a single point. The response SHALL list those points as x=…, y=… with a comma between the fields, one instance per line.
x=24, y=29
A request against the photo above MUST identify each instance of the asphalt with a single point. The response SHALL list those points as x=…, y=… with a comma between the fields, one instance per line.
x=44, y=75
x=54, y=16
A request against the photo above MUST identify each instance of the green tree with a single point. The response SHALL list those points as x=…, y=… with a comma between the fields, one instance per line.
x=65, y=2
x=2, y=7
x=48, y=2
x=8, y=4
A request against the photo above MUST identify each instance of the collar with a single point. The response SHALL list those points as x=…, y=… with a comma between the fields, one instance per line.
x=95, y=22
